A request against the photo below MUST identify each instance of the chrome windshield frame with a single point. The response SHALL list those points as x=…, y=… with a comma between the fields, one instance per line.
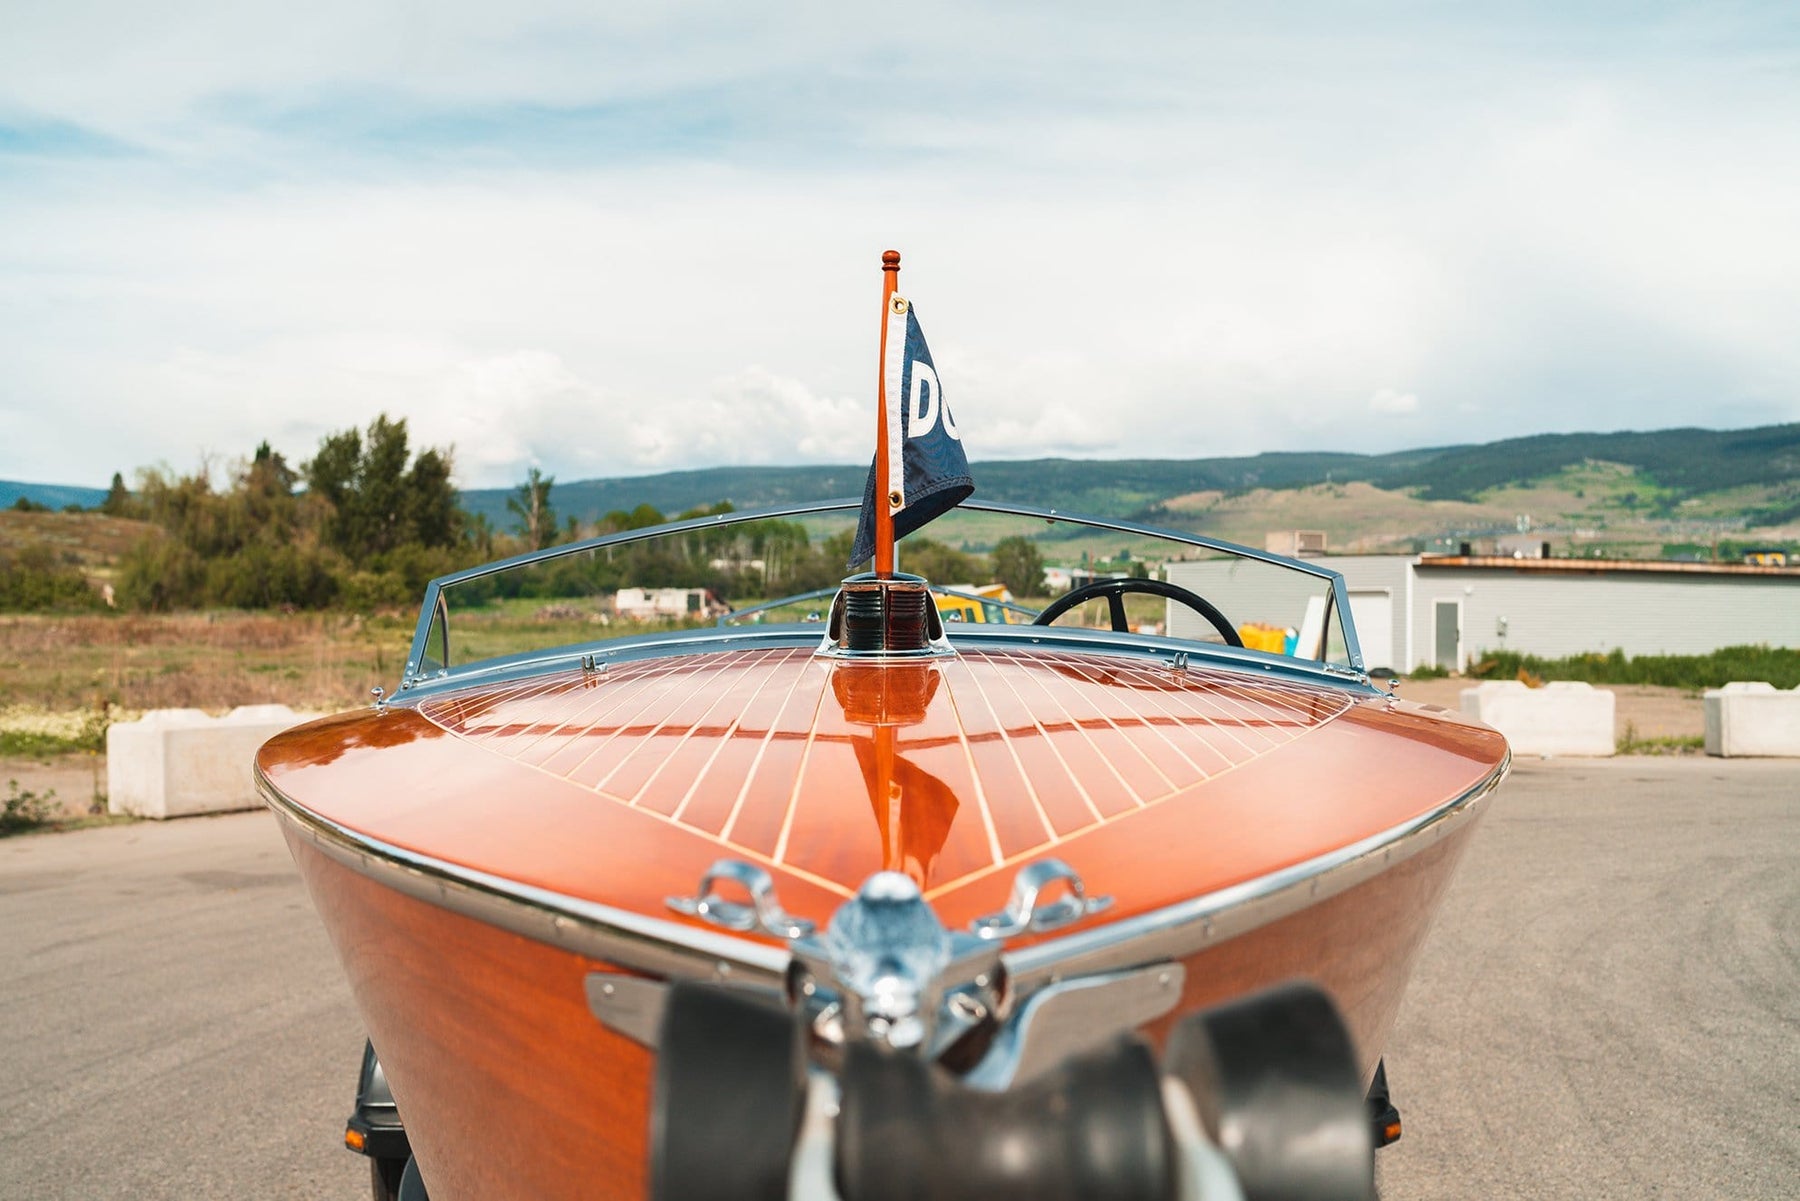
x=412, y=676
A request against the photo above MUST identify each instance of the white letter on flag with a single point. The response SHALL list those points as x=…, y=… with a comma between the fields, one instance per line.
x=925, y=399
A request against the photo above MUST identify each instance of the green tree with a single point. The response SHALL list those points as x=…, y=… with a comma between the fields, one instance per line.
x=941, y=564
x=118, y=502
x=481, y=537
x=1019, y=566
x=369, y=527
x=531, y=505
x=331, y=479
x=432, y=512
x=643, y=517
x=373, y=502
x=381, y=507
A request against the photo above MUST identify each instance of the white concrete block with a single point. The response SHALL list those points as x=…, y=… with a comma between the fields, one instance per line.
x=1564, y=718
x=1752, y=718
x=176, y=762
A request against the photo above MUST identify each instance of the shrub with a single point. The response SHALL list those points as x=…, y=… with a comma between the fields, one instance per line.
x=265, y=577
x=23, y=810
x=367, y=591
x=1780, y=666
x=32, y=579
x=160, y=574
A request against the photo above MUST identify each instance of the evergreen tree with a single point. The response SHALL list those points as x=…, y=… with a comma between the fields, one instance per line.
x=118, y=502
x=1019, y=565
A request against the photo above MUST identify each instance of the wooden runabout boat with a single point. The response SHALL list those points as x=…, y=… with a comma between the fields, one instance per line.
x=833, y=898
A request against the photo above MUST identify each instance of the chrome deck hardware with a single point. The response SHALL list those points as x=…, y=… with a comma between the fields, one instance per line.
x=887, y=970
x=1024, y=913
x=888, y=951
x=884, y=617
x=763, y=913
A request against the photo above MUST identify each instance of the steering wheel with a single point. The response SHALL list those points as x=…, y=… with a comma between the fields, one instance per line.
x=1114, y=591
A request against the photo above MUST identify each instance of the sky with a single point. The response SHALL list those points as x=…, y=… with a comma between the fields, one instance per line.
x=608, y=239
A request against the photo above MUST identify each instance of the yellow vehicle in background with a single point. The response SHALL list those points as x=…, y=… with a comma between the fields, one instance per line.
x=1274, y=639
x=990, y=603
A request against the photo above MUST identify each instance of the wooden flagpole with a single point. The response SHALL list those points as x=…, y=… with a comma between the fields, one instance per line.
x=884, y=487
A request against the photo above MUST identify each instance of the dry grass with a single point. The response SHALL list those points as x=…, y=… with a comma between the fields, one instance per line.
x=94, y=541
x=198, y=660
x=1579, y=505
x=1355, y=516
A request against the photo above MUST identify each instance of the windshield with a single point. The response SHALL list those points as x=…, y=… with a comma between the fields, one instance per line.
x=990, y=567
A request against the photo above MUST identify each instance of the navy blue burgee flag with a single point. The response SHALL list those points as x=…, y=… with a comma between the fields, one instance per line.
x=928, y=472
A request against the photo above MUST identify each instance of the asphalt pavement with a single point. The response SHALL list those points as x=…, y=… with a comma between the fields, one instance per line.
x=1608, y=1007
x=173, y=1022
x=1609, y=1003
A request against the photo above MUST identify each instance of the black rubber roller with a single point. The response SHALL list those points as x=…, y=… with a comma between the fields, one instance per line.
x=412, y=1185
x=1275, y=1080
x=730, y=1093
x=1092, y=1130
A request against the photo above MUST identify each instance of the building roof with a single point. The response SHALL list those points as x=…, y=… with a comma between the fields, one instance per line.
x=1602, y=566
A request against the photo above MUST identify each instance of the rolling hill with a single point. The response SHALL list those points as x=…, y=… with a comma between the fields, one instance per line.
x=1745, y=478
x=1648, y=490
x=51, y=496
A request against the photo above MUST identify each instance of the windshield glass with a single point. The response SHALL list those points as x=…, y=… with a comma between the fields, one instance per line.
x=990, y=566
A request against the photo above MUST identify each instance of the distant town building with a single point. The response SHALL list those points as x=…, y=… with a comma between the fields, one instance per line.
x=1448, y=611
x=1521, y=546
x=667, y=604
x=1295, y=544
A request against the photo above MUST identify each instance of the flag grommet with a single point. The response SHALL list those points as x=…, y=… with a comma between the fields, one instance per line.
x=900, y=304
x=894, y=499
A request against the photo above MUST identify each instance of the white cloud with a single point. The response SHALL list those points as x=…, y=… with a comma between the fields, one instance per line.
x=1391, y=403
x=619, y=240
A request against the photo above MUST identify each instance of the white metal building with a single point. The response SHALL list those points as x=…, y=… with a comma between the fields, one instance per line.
x=1413, y=611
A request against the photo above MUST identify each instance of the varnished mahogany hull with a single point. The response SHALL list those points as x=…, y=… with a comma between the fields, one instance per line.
x=477, y=854
x=1155, y=786
x=511, y=1088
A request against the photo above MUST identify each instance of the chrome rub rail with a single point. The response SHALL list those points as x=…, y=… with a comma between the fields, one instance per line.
x=615, y=936
x=668, y=949
x=1176, y=931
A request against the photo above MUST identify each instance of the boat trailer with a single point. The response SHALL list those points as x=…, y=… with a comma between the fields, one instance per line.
x=1259, y=1099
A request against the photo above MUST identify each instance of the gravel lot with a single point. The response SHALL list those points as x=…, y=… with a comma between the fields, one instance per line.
x=1644, y=709
x=1607, y=1007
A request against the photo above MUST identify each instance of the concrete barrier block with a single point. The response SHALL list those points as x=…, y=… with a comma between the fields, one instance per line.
x=1564, y=718
x=1747, y=718
x=176, y=762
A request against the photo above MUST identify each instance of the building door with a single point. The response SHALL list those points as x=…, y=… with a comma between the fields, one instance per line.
x=1447, y=644
x=1372, y=609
